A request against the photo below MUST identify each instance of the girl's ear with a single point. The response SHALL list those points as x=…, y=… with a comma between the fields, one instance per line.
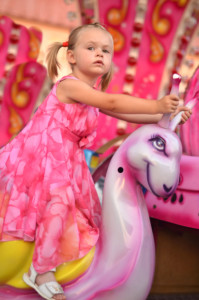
x=70, y=57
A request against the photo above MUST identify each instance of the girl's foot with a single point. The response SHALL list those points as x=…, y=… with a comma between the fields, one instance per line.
x=47, y=277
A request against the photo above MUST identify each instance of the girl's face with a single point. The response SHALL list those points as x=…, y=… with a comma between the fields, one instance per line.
x=93, y=53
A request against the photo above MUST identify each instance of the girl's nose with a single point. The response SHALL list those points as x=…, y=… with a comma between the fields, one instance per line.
x=99, y=52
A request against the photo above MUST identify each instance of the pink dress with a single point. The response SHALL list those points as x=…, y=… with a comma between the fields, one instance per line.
x=46, y=190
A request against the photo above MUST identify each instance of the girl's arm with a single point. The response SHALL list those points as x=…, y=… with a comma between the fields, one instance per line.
x=135, y=118
x=148, y=119
x=70, y=91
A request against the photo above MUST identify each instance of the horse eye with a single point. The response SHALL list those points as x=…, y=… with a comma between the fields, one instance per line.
x=158, y=143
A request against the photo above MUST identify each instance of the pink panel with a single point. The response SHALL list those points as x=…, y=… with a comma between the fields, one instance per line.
x=17, y=44
x=161, y=22
x=19, y=78
x=5, y=32
x=20, y=94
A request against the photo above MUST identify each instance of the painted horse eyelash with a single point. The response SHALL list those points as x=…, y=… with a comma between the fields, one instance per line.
x=155, y=136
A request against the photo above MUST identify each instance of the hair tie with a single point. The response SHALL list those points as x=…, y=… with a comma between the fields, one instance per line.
x=65, y=44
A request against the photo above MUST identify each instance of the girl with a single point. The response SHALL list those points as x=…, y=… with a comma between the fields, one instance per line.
x=46, y=190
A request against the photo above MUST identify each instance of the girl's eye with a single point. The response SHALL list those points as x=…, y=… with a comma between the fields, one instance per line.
x=158, y=143
x=90, y=48
x=105, y=51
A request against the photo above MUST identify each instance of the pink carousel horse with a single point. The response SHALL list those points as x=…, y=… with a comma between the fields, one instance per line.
x=124, y=259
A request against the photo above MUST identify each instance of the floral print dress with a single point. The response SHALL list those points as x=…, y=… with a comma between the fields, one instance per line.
x=47, y=194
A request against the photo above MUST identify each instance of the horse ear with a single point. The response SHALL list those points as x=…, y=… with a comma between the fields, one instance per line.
x=165, y=121
x=176, y=120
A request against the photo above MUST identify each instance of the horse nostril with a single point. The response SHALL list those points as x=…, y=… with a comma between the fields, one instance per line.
x=166, y=188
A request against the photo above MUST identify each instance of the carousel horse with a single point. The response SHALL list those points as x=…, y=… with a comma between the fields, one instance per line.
x=122, y=263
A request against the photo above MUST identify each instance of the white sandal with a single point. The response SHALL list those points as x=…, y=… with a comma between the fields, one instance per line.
x=46, y=290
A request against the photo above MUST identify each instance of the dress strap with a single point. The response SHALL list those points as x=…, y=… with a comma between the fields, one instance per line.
x=67, y=76
x=61, y=79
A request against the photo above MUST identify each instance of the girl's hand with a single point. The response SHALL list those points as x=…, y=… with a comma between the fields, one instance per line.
x=168, y=104
x=185, y=115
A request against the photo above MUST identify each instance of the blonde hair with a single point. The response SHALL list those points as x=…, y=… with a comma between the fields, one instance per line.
x=53, y=64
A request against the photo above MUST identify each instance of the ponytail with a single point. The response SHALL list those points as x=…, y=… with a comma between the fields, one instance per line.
x=106, y=79
x=52, y=62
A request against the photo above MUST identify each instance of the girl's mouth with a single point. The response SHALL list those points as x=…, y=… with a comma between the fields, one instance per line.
x=99, y=62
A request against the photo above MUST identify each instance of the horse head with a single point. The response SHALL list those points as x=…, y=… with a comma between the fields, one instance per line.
x=154, y=156
x=155, y=151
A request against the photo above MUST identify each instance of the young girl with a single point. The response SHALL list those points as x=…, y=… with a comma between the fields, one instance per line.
x=46, y=190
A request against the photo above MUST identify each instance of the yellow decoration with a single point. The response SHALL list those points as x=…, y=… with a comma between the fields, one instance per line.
x=115, y=16
x=1, y=38
x=118, y=39
x=181, y=3
x=19, y=98
x=16, y=257
x=157, y=50
x=34, y=46
x=160, y=25
x=16, y=123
